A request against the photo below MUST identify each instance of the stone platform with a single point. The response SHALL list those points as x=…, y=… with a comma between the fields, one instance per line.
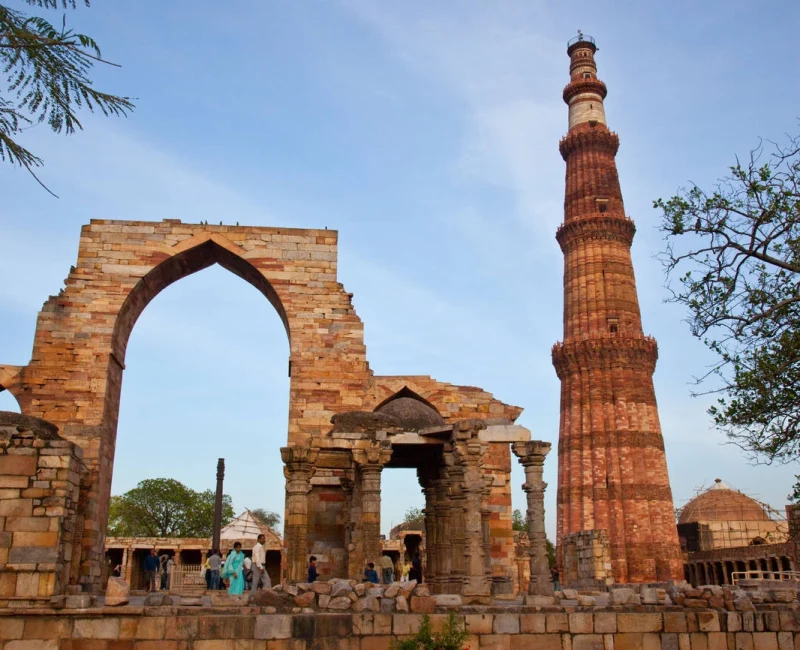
x=775, y=627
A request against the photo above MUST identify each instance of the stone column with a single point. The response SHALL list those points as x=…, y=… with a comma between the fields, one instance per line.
x=486, y=493
x=532, y=454
x=469, y=451
x=127, y=565
x=425, y=477
x=444, y=546
x=369, y=462
x=455, y=477
x=298, y=468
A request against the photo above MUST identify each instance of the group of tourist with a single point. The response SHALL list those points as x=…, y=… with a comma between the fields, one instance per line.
x=239, y=571
x=157, y=570
x=389, y=572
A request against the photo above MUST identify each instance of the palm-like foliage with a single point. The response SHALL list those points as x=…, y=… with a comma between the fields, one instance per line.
x=46, y=79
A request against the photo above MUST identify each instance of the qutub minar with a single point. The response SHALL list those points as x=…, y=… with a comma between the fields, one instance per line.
x=612, y=469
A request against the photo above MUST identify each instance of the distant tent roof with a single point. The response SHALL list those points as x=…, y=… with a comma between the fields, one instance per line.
x=247, y=526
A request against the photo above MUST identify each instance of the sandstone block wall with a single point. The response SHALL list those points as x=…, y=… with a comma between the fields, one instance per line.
x=181, y=629
x=39, y=489
x=586, y=558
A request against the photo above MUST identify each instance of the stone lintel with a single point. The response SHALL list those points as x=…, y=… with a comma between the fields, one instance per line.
x=412, y=438
x=334, y=481
x=504, y=433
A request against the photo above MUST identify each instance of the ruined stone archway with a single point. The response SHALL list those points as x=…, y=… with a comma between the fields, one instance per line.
x=75, y=374
x=74, y=377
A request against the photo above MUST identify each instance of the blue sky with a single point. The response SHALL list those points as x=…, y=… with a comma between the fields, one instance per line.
x=427, y=135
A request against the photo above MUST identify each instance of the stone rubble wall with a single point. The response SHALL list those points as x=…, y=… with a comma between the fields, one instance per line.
x=586, y=559
x=40, y=477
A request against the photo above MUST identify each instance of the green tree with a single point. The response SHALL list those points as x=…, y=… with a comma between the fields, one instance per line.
x=414, y=517
x=267, y=517
x=164, y=507
x=46, y=71
x=735, y=252
x=518, y=522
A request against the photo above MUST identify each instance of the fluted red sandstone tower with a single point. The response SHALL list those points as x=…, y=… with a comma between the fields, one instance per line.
x=612, y=470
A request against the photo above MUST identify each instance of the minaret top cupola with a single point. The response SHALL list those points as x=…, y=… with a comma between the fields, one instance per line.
x=584, y=94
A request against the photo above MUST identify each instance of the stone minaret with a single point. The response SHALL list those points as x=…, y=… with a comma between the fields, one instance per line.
x=612, y=470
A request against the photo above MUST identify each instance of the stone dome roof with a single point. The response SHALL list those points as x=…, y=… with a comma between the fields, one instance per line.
x=722, y=503
x=412, y=414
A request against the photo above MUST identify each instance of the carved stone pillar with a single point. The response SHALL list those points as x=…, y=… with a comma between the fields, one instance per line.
x=298, y=468
x=369, y=464
x=456, y=534
x=486, y=492
x=431, y=533
x=532, y=454
x=469, y=454
x=444, y=549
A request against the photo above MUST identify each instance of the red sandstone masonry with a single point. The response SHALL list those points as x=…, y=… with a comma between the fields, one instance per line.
x=612, y=472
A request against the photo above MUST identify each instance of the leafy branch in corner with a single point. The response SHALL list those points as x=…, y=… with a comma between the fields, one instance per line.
x=46, y=79
x=733, y=259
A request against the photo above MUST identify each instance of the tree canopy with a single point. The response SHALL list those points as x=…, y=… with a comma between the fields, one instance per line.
x=46, y=70
x=733, y=260
x=164, y=507
x=267, y=517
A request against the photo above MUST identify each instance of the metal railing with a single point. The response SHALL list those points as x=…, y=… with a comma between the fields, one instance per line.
x=580, y=38
x=782, y=576
x=187, y=578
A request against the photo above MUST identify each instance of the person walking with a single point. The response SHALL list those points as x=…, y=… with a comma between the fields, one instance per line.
x=233, y=571
x=312, y=569
x=214, y=563
x=259, y=566
x=387, y=570
x=151, y=564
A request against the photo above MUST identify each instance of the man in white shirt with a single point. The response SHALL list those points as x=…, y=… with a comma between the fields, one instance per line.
x=260, y=564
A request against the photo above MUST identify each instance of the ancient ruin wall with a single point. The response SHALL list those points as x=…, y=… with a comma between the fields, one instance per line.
x=74, y=377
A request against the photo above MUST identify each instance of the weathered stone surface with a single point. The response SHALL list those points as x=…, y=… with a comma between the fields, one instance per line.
x=387, y=605
x=623, y=596
x=80, y=601
x=341, y=589
x=321, y=588
x=271, y=598
x=191, y=601
x=401, y=603
x=392, y=590
x=505, y=623
x=422, y=590
x=117, y=592
x=447, y=600
x=366, y=604
x=323, y=600
x=423, y=604
x=305, y=599
x=359, y=589
x=340, y=603
x=273, y=627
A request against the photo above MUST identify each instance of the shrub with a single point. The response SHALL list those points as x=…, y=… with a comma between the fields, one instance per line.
x=452, y=636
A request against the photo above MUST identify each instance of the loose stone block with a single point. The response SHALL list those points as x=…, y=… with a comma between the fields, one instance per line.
x=117, y=592
x=423, y=604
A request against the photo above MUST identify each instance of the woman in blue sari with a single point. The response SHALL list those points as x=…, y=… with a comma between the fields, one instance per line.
x=233, y=570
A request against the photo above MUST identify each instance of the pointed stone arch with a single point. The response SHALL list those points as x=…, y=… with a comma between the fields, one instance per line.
x=191, y=256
